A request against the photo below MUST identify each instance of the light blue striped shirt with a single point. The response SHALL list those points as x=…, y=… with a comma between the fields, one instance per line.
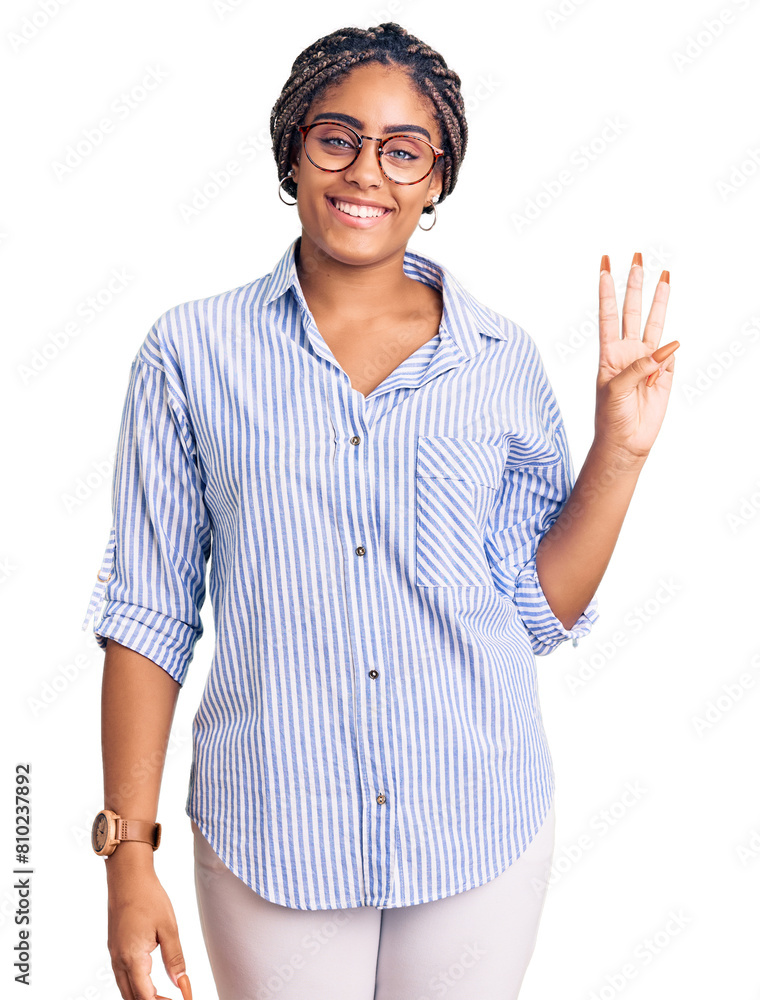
x=370, y=732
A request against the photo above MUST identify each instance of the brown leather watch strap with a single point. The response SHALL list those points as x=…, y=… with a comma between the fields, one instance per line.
x=139, y=829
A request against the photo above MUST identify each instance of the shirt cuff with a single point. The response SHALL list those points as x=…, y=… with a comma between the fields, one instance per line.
x=166, y=641
x=545, y=630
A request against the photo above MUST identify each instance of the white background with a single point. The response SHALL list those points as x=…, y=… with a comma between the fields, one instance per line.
x=539, y=85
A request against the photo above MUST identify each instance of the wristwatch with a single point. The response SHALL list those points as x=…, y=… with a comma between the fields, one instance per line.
x=109, y=830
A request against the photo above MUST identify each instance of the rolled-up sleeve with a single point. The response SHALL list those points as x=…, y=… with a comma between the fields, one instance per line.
x=537, y=481
x=151, y=584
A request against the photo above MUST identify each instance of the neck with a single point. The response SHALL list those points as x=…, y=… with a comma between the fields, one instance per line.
x=351, y=291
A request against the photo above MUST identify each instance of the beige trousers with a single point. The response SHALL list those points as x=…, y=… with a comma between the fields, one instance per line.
x=475, y=944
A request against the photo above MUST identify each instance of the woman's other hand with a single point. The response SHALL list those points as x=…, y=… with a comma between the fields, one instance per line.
x=141, y=916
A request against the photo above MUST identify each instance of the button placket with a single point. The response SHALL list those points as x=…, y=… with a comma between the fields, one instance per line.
x=366, y=640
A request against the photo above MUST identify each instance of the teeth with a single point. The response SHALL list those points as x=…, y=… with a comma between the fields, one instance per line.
x=359, y=211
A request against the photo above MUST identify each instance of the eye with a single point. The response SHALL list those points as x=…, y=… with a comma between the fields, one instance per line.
x=336, y=142
x=404, y=150
x=331, y=137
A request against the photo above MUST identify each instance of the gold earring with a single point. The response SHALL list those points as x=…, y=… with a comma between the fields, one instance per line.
x=279, y=189
x=426, y=229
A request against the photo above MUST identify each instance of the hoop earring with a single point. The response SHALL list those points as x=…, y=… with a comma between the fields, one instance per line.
x=426, y=229
x=279, y=189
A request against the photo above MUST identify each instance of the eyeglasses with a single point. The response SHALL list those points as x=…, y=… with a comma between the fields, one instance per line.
x=403, y=158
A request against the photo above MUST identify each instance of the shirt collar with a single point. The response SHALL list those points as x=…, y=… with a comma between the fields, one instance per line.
x=464, y=318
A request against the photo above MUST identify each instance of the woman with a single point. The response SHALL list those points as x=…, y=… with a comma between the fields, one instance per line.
x=384, y=470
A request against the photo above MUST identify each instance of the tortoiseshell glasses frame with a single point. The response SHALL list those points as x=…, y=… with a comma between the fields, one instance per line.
x=437, y=153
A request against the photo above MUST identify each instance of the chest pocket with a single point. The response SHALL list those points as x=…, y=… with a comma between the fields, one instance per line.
x=457, y=481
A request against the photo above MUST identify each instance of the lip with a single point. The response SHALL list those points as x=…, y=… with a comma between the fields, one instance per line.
x=355, y=221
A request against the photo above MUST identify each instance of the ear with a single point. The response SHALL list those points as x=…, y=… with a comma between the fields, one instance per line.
x=436, y=182
x=295, y=157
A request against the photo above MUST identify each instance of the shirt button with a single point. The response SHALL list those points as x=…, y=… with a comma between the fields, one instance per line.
x=380, y=799
x=355, y=439
x=373, y=674
x=361, y=551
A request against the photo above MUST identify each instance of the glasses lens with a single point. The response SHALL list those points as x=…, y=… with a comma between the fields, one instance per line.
x=334, y=147
x=407, y=160
x=331, y=147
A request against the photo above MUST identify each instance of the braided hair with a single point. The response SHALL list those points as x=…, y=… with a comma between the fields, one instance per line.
x=330, y=59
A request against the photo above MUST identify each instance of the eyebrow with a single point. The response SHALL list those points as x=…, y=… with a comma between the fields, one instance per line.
x=350, y=120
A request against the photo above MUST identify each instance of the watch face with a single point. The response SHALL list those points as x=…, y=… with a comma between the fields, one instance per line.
x=100, y=832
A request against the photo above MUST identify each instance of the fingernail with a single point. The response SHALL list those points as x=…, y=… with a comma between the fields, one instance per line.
x=665, y=276
x=637, y=260
x=651, y=379
x=184, y=984
x=664, y=352
x=605, y=264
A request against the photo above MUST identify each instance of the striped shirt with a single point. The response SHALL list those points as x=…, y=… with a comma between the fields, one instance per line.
x=370, y=732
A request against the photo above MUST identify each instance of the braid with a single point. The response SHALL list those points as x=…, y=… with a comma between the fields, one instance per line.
x=331, y=58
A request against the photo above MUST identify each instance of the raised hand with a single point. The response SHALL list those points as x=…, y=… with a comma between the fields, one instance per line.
x=634, y=379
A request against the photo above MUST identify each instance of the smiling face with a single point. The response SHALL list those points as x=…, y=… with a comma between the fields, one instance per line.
x=382, y=99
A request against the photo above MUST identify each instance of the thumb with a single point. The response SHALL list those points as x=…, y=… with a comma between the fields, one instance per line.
x=174, y=962
x=627, y=379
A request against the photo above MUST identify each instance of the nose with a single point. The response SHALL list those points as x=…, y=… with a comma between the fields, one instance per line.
x=365, y=170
